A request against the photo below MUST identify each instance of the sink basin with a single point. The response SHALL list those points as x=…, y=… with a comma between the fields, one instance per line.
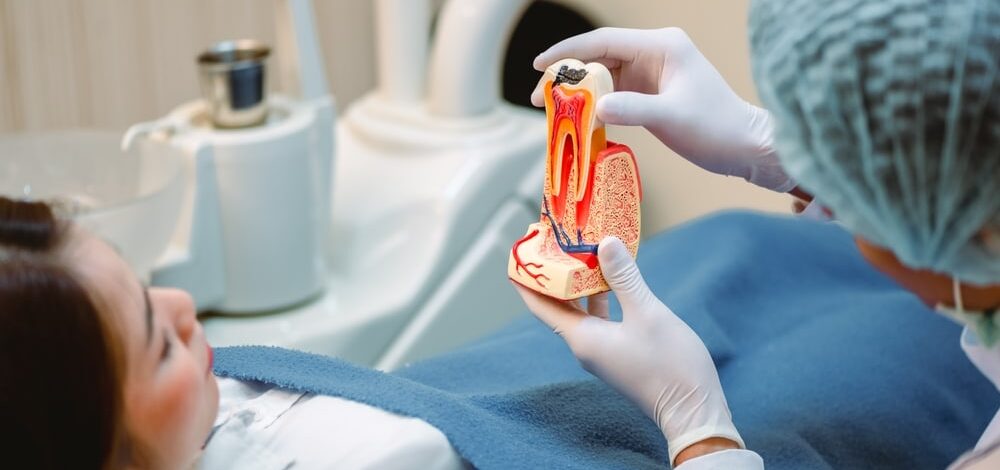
x=132, y=200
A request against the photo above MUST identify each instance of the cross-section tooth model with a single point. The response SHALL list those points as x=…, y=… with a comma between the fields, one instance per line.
x=591, y=189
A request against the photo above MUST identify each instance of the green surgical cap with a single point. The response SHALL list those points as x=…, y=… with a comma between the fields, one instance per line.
x=888, y=111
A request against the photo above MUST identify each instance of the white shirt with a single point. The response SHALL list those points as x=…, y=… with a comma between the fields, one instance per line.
x=986, y=454
x=261, y=427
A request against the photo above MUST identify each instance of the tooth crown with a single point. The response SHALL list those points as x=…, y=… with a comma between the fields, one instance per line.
x=591, y=189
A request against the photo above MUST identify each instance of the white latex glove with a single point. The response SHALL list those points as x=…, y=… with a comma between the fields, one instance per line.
x=665, y=85
x=651, y=356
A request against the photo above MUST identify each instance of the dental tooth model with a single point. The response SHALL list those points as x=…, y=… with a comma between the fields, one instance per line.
x=591, y=189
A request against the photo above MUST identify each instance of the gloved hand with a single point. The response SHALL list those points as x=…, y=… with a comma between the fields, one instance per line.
x=651, y=356
x=664, y=84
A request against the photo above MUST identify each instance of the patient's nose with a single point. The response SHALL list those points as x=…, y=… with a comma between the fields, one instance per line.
x=179, y=306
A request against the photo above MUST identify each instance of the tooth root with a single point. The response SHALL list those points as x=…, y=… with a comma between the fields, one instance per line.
x=572, y=89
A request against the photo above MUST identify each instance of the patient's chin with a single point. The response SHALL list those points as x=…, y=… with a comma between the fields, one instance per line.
x=591, y=190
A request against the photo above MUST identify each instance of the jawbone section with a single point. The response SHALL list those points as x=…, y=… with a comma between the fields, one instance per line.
x=540, y=260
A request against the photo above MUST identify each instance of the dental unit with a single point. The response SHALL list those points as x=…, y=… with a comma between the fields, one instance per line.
x=252, y=234
x=393, y=250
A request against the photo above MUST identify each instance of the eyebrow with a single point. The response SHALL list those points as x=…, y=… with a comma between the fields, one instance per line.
x=149, y=315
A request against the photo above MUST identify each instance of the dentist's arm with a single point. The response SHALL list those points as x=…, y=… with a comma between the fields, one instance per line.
x=654, y=359
x=666, y=85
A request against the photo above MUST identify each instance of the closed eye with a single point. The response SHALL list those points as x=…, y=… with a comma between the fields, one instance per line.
x=167, y=346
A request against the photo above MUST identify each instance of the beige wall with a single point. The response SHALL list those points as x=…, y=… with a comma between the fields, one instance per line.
x=109, y=63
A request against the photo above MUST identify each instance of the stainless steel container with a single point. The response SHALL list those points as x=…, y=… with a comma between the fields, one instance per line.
x=233, y=82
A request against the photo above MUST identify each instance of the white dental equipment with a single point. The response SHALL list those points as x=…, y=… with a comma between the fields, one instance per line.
x=427, y=196
x=252, y=233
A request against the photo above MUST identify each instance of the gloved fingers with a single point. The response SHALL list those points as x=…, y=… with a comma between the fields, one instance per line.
x=590, y=342
x=597, y=305
x=629, y=108
x=624, y=278
x=561, y=316
x=586, y=336
x=615, y=44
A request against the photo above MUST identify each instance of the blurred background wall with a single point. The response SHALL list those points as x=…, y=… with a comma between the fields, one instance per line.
x=109, y=63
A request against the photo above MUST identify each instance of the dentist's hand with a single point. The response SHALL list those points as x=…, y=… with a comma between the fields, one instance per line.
x=651, y=356
x=664, y=84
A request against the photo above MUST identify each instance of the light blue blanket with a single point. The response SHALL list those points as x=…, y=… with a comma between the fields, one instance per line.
x=826, y=363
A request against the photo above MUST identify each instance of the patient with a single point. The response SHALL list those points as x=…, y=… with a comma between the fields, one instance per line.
x=108, y=373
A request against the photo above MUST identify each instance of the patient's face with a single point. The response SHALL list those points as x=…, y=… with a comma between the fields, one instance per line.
x=171, y=396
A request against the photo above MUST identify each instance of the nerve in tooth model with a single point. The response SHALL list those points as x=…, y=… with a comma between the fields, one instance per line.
x=591, y=189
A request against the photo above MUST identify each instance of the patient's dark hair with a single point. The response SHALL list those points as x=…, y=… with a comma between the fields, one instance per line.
x=60, y=367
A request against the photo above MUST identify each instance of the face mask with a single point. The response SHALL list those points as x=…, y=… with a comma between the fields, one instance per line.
x=984, y=324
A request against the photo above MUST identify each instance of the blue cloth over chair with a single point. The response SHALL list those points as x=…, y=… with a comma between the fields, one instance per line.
x=826, y=363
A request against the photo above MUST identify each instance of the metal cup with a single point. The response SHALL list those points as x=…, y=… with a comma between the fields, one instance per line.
x=233, y=82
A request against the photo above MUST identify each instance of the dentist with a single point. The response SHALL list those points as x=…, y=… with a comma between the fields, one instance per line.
x=888, y=111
